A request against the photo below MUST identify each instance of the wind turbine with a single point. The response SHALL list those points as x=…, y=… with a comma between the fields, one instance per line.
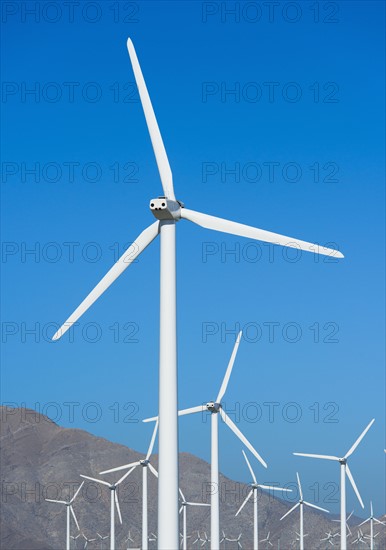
x=371, y=519
x=329, y=538
x=253, y=492
x=87, y=540
x=267, y=539
x=102, y=538
x=145, y=465
x=70, y=509
x=113, y=502
x=129, y=539
x=215, y=408
x=300, y=504
x=344, y=470
x=75, y=539
x=347, y=523
x=198, y=538
x=168, y=211
x=184, y=505
x=360, y=538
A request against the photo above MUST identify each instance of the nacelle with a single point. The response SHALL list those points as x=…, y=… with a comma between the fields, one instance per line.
x=165, y=209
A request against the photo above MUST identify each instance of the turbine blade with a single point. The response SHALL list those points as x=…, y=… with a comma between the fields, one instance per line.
x=242, y=437
x=274, y=488
x=371, y=508
x=182, y=494
x=152, y=125
x=350, y=452
x=150, y=449
x=97, y=480
x=74, y=516
x=77, y=492
x=228, y=373
x=234, y=228
x=349, y=475
x=290, y=510
x=326, y=457
x=244, y=503
x=144, y=239
x=249, y=466
x=117, y=506
x=366, y=520
x=316, y=507
x=181, y=509
x=153, y=470
x=192, y=410
x=197, y=504
x=125, y=476
x=124, y=467
x=57, y=501
x=300, y=486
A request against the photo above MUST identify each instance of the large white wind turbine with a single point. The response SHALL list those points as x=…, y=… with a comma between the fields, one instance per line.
x=145, y=463
x=301, y=503
x=168, y=211
x=344, y=470
x=114, y=502
x=371, y=519
x=70, y=509
x=184, y=505
x=253, y=492
x=215, y=408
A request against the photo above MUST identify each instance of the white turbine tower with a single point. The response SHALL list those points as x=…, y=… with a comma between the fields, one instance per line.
x=69, y=508
x=215, y=408
x=300, y=504
x=344, y=470
x=253, y=492
x=371, y=519
x=145, y=465
x=184, y=505
x=168, y=211
x=114, y=502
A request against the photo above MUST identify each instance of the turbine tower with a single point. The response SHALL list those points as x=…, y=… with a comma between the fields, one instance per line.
x=168, y=211
x=344, y=470
x=145, y=465
x=253, y=492
x=70, y=509
x=301, y=503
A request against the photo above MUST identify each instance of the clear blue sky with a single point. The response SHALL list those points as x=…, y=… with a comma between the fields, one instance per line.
x=303, y=132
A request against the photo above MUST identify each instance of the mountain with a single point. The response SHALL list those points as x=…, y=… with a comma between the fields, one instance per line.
x=40, y=459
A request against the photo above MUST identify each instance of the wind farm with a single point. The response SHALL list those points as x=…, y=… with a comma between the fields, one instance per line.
x=172, y=405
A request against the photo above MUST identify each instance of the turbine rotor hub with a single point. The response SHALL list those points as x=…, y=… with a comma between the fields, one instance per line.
x=144, y=462
x=213, y=407
x=166, y=209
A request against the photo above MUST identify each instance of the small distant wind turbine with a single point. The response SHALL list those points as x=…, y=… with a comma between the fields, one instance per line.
x=68, y=504
x=347, y=524
x=344, y=470
x=145, y=465
x=182, y=538
x=129, y=539
x=300, y=505
x=253, y=492
x=184, y=505
x=87, y=540
x=75, y=539
x=205, y=540
x=372, y=519
x=114, y=503
x=360, y=538
x=329, y=538
x=168, y=211
x=102, y=538
x=267, y=539
x=198, y=539
x=216, y=409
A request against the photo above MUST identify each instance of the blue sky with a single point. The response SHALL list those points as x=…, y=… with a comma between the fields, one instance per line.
x=297, y=148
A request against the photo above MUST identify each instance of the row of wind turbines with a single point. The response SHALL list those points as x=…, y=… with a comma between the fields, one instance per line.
x=215, y=409
x=168, y=211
